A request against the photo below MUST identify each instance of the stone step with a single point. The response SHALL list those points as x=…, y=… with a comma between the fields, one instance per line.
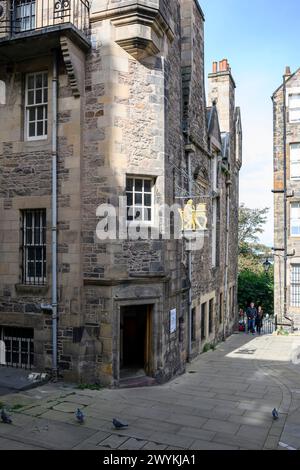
x=136, y=382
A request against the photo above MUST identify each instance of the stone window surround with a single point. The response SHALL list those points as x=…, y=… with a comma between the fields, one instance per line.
x=43, y=104
x=34, y=202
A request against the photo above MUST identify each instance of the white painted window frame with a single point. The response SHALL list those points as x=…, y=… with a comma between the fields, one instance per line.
x=143, y=222
x=292, y=219
x=43, y=104
x=294, y=162
x=295, y=286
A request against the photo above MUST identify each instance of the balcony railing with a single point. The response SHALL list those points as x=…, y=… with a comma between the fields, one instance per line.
x=21, y=16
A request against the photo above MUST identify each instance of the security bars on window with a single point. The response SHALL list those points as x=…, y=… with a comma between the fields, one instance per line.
x=36, y=103
x=295, y=285
x=34, y=247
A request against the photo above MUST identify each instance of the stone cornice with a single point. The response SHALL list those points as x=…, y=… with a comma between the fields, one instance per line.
x=131, y=13
x=139, y=28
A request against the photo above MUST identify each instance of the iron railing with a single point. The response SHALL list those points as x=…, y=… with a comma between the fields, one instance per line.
x=22, y=16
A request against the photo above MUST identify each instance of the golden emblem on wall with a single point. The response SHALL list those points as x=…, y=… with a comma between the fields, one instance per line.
x=193, y=217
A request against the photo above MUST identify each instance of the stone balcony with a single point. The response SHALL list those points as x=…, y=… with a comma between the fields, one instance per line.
x=33, y=27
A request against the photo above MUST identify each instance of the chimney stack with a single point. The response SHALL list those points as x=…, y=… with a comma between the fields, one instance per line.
x=287, y=71
x=215, y=67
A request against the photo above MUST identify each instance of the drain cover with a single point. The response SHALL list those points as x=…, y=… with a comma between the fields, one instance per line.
x=246, y=351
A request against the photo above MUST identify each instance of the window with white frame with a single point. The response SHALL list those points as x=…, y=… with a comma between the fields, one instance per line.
x=295, y=285
x=139, y=193
x=25, y=15
x=34, y=246
x=295, y=160
x=294, y=107
x=36, y=104
x=295, y=219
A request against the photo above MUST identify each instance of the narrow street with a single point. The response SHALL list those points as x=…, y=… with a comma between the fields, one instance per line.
x=224, y=401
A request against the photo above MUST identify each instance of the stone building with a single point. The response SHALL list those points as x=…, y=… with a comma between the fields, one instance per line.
x=104, y=104
x=292, y=142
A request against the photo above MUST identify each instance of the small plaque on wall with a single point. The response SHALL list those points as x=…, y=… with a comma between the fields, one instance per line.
x=173, y=321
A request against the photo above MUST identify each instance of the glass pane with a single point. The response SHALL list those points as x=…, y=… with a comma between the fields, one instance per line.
x=30, y=269
x=40, y=128
x=45, y=80
x=147, y=200
x=45, y=95
x=30, y=97
x=31, y=129
x=28, y=219
x=147, y=186
x=129, y=199
x=40, y=113
x=31, y=253
x=129, y=184
x=39, y=80
x=46, y=127
x=139, y=185
x=32, y=114
x=38, y=96
x=30, y=82
x=138, y=199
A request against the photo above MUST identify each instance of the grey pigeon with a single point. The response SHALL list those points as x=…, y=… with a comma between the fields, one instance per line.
x=275, y=414
x=5, y=418
x=119, y=425
x=79, y=416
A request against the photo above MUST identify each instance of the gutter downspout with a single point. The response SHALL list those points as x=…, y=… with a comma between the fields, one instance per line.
x=228, y=184
x=54, y=214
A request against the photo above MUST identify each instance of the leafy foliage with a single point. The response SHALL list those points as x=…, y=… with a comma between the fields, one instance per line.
x=254, y=284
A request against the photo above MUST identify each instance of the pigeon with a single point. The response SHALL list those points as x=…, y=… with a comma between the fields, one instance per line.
x=5, y=418
x=118, y=425
x=275, y=414
x=79, y=416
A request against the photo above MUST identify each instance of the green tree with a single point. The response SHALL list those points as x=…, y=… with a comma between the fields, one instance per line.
x=254, y=284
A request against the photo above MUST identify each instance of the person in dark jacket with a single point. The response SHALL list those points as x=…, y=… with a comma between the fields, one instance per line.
x=259, y=320
x=251, y=316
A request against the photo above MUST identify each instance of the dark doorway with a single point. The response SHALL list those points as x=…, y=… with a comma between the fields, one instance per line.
x=135, y=340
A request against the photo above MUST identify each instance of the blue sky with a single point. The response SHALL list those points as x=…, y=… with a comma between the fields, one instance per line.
x=259, y=38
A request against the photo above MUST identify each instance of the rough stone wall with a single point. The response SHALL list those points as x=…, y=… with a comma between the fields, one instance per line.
x=293, y=136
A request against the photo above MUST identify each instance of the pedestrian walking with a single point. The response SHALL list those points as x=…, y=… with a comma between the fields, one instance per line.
x=259, y=320
x=251, y=316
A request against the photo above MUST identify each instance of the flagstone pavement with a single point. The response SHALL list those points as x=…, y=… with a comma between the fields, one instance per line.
x=223, y=402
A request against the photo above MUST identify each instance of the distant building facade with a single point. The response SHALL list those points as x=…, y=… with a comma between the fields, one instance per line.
x=292, y=100
x=94, y=106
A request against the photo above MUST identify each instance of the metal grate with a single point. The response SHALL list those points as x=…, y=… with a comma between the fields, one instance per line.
x=295, y=285
x=19, y=347
x=34, y=246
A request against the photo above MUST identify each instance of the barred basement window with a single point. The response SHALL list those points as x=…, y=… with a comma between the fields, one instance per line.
x=193, y=334
x=36, y=104
x=203, y=321
x=34, y=246
x=211, y=315
x=295, y=285
x=139, y=193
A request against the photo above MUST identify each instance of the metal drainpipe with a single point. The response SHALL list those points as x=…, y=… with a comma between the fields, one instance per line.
x=228, y=183
x=54, y=214
x=190, y=266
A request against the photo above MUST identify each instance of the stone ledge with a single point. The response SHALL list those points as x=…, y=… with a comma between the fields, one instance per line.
x=31, y=290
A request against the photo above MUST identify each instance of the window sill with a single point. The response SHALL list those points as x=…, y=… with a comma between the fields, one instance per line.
x=31, y=289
